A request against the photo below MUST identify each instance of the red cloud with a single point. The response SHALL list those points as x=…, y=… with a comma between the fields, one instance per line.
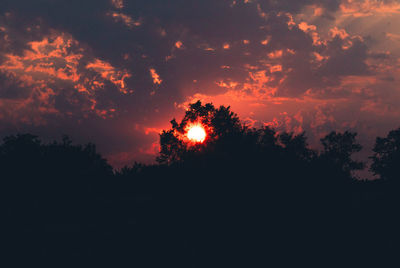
x=110, y=73
x=50, y=68
x=155, y=76
x=125, y=19
x=365, y=8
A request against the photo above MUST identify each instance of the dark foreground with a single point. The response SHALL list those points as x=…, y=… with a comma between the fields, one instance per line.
x=64, y=206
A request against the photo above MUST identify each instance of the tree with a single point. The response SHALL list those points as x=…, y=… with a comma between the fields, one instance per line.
x=58, y=170
x=221, y=125
x=386, y=157
x=338, y=150
x=296, y=146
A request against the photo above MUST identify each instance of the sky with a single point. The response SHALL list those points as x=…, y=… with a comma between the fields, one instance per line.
x=115, y=72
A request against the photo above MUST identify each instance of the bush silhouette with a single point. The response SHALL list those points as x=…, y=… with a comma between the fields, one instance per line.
x=245, y=197
x=386, y=157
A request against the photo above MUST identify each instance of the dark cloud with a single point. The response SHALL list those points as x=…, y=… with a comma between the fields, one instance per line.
x=296, y=6
x=11, y=88
x=346, y=61
x=108, y=71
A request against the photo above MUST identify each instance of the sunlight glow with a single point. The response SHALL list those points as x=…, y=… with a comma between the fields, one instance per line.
x=196, y=133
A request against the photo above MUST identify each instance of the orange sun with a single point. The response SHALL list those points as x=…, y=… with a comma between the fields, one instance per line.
x=196, y=133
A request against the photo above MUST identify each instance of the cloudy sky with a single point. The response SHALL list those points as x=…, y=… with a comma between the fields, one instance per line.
x=115, y=72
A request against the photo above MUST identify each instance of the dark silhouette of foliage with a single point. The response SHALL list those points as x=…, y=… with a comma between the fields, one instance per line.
x=338, y=149
x=220, y=124
x=386, y=157
x=245, y=197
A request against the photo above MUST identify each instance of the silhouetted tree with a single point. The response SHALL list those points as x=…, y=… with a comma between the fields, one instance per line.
x=218, y=122
x=55, y=187
x=244, y=196
x=386, y=157
x=337, y=152
x=296, y=145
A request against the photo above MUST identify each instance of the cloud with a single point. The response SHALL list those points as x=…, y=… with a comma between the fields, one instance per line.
x=125, y=19
x=119, y=4
x=365, y=8
x=49, y=78
x=155, y=76
x=98, y=68
x=110, y=73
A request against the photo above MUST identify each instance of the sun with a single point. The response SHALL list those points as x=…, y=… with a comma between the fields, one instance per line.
x=196, y=133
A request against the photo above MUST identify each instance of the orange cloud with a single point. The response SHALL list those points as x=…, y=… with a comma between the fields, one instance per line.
x=393, y=37
x=154, y=130
x=50, y=59
x=311, y=30
x=125, y=19
x=275, y=54
x=108, y=72
x=179, y=44
x=118, y=3
x=319, y=57
x=151, y=151
x=49, y=68
x=335, y=31
x=155, y=76
x=275, y=68
x=305, y=27
x=365, y=8
x=318, y=11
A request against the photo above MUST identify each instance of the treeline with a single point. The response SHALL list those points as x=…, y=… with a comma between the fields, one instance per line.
x=243, y=198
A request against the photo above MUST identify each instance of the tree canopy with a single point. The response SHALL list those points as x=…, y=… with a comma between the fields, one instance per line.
x=386, y=157
x=241, y=195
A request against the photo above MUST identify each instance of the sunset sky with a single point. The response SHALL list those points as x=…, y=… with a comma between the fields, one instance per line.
x=115, y=72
